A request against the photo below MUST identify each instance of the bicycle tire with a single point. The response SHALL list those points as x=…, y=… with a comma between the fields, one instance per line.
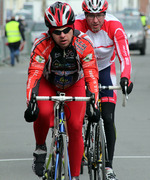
x=59, y=156
x=90, y=171
x=63, y=160
x=97, y=170
x=101, y=149
x=66, y=165
x=84, y=135
x=90, y=153
x=96, y=152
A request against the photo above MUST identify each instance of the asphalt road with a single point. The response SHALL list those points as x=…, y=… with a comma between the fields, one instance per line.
x=132, y=154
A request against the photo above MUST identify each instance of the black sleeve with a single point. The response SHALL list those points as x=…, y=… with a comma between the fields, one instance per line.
x=5, y=32
x=21, y=29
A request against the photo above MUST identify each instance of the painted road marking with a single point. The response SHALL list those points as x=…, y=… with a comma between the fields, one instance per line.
x=116, y=157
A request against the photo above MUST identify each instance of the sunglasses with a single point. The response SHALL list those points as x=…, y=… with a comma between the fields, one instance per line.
x=98, y=16
x=65, y=31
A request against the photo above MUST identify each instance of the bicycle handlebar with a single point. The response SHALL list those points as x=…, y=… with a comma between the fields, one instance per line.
x=109, y=87
x=125, y=96
x=62, y=98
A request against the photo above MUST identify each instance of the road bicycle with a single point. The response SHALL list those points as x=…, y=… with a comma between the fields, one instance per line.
x=95, y=146
x=57, y=166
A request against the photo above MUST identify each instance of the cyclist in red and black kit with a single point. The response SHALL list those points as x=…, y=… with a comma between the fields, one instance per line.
x=62, y=59
x=109, y=38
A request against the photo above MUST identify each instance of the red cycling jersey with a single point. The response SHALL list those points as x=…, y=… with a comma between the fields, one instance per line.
x=47, y=59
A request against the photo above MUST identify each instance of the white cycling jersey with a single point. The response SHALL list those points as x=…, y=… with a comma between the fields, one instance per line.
x=111, y=37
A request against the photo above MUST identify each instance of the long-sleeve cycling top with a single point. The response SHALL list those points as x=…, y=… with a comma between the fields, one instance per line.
x=63, y=68
x=110, y=39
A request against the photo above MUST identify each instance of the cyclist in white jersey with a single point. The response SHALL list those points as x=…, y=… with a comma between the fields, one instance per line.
x=109, y=38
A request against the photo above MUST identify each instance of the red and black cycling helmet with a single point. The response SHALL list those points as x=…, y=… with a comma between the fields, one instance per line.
x=58, y=15
x=94, y=6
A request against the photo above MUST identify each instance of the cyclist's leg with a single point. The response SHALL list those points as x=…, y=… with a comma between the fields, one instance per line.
x=107, y=77
x=75, y=122
x=46, y=113
x=108, y=110
x=108, y=98
x=41, y=126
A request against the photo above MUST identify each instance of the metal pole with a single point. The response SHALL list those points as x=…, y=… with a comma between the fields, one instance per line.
x=43, y=6
x=2, y=16
x=117, y=5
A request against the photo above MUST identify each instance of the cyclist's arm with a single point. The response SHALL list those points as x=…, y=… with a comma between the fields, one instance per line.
x=37, y=63
x=122, y=49
x=21, y=29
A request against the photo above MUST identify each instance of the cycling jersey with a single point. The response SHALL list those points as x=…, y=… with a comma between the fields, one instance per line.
x=111, y=37
x=63, y=68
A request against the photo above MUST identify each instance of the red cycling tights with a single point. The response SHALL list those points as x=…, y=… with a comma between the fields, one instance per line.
x=74, y=114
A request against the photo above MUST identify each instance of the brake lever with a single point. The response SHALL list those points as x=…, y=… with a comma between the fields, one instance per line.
x=33, y=105
x=125, y=96
x=92, y=102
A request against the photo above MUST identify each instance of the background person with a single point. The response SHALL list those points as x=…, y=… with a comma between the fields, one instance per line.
x=14, y=32
x=144, y=21
x=21, y=20
x=108, y=37
x=62, y=59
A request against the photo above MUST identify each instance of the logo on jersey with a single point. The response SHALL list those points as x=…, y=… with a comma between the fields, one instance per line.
x=40, y=59
x=88, y=58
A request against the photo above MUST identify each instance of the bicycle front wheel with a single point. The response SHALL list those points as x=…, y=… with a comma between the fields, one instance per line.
x=90, y=151
x=62, y=168
x=100, y=154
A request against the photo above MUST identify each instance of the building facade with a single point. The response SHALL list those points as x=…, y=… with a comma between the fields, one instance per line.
x=144, y=6
x=9, y=7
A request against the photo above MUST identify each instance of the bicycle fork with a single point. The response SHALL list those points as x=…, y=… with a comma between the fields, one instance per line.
x=62, y=143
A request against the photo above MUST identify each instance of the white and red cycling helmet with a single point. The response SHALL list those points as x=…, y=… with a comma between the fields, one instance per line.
x=94, y=6
x=58, y=15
